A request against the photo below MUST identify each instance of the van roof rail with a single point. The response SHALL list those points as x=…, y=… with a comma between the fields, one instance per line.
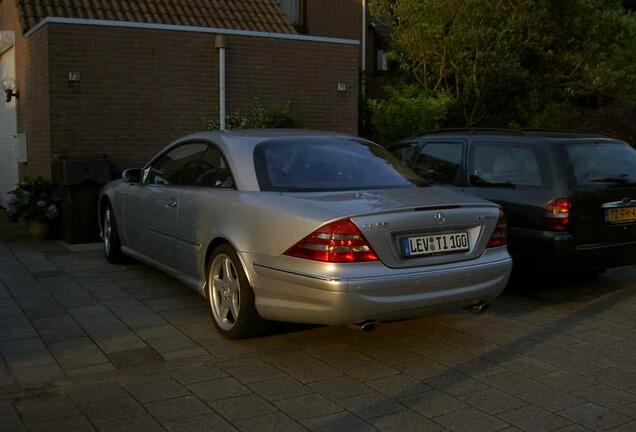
x=468, y=130
x=504, y=131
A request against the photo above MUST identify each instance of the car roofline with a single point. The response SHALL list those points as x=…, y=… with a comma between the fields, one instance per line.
x=256, y=136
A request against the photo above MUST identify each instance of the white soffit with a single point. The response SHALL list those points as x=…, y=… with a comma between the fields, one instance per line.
x=7, y=40
x=191, y=29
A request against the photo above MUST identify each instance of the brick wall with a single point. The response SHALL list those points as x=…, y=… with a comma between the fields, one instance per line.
x=33, y=103
x=335, y=18
x=308, y=72
x=140, y=89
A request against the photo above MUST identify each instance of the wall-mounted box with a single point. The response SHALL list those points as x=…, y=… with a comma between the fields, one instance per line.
x=21, y=148
x=7, y=40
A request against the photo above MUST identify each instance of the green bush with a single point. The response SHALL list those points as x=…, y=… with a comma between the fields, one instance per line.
x=233, y=120
x=405, y=111
x=277, y=117
x=261, y=116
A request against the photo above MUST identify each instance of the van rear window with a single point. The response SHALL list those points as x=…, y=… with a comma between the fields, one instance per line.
x=601, y=162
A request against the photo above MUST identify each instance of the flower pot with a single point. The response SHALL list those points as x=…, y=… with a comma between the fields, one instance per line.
x=38, y=230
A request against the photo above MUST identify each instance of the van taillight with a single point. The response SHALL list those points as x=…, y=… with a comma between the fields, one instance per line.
x=500, y=236
x=556, y=216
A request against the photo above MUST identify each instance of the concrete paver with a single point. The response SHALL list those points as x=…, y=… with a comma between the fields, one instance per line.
x=86, y=345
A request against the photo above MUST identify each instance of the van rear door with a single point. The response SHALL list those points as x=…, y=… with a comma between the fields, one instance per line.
x=602, y=183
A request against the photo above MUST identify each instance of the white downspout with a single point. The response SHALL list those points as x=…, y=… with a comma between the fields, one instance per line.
x=221, y=44
x=364, y=37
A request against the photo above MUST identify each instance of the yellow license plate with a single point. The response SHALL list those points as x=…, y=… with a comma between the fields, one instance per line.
x=621, y=215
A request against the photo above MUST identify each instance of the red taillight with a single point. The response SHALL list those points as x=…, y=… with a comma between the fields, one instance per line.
x=500, y=236
x=337, y=242
x=556, y=216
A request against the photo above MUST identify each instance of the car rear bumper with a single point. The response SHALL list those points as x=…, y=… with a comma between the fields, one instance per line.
x=560, y=251
x=284, y=295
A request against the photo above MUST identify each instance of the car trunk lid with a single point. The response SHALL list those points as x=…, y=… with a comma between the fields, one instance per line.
x=440, y=226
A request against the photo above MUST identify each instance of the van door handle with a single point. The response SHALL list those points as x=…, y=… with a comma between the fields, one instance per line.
x=171, y=204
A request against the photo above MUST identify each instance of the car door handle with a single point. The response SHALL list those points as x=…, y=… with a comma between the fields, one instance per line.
x=171, y=203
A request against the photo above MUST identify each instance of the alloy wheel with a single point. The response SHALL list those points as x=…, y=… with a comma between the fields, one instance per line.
x=225, y=291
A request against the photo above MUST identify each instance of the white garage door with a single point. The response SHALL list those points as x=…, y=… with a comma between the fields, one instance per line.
x=8, y=128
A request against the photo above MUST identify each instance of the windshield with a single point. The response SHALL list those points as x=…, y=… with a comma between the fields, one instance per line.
x=605, y=162
x=328, y=164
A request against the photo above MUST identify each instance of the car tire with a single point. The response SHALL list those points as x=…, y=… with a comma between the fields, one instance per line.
x=110, y=236
x=231, y=296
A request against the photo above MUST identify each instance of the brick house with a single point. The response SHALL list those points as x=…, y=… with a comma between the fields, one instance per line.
x=125, y=77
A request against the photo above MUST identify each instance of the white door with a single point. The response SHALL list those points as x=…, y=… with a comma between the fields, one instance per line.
x=8, y=128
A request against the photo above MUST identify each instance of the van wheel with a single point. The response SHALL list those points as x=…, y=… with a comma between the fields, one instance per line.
x=231, y=297
x=585, y=275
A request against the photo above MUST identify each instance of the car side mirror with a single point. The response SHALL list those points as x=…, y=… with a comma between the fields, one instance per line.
x=131, y=175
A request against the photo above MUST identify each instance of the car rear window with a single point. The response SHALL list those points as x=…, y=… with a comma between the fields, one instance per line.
x=508, y=165
x=601, y=162
x=328, y=164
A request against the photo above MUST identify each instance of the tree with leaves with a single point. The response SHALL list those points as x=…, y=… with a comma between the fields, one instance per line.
x=514, y=61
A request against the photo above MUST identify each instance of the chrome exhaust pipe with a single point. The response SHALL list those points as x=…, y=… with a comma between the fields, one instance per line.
x=366, y=326
x=479, y=308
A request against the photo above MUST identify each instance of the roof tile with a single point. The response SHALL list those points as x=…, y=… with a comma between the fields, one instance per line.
x=257, y=15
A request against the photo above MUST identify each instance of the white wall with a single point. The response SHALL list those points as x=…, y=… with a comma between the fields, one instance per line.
x=8, y=127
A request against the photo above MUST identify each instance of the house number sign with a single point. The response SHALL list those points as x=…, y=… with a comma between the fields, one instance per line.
x=74, y=77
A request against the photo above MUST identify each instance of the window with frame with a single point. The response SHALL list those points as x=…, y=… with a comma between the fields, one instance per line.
x=406, y=152
x=440, y=162
x=381, y=61
x=295, y=11
x=213, y=171
x=177, y=166
x=192, y=164
x=507, y=165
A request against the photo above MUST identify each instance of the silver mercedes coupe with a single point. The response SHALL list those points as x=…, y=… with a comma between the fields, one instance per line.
x=304, y=226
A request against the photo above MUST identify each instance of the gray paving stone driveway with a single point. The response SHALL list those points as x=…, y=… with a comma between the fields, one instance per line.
x=91, y=346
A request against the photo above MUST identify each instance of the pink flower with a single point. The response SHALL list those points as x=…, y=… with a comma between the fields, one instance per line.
x=11, y=211
x=51, y=212
x=9, y=200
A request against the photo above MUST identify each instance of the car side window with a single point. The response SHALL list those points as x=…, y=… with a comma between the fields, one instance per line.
x=507, y=165
x=213, y=171
x=440, y=162
x=176, y=167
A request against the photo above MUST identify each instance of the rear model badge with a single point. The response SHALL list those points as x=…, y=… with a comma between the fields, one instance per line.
x=439, y=218
x=376, y=225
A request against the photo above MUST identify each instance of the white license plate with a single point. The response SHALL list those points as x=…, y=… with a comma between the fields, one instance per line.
x=431, y=244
